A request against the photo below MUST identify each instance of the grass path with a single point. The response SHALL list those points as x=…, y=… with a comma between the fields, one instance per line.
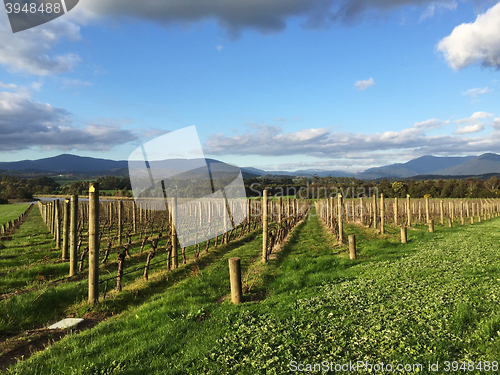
x=10, y=212
x=434, y=299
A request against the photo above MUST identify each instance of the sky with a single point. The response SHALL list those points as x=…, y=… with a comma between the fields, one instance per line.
x=271, y=84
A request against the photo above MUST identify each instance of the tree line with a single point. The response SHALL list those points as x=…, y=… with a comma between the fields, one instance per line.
x=350, y=187
x=13, y=187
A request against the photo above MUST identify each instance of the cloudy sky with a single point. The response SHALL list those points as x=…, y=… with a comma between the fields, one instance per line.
x=273, y=84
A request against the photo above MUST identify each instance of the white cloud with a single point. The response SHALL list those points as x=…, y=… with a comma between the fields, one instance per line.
x=469, y=129
x=496, y=123
x=474, y=93
x=476, y=42
x=29, y=51
x=219, y=48
x=271, y=141
x=431, y=124
x=25, y=123
x=9, y=86
x=475, y=118
x=37, y=86
x=431, y=8
x=363, y=85
x=481, y=115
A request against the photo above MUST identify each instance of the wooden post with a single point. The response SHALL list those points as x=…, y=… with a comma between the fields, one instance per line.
x=403, y=234
x=362, y=213
x=375, y=211
x=431, y=226
x=408, y=210
x=396, y=218
x=66, y=230
x=462, y=212
x=382, y=213
x=53, y=220
x=173, y=211
x=57, y=224
x=134, y=217
x=340, y=220
x=352, y=246
x=332, y=214
x=249, y=211
x=235, y=280
x=449, y=221
x=226, y=229
x=49, y=217
x=120, y=227
x=93, y=242
x=441, y=209
x=280, y=204
x=264, y=227
x=326, y=212
x=73, y=236
x=427, y=209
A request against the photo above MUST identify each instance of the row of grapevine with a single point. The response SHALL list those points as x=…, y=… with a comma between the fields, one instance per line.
x=93, y=229
x=376, y=212
x=8, y=229
x=279, y=219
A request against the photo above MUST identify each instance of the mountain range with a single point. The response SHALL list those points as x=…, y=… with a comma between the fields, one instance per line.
x=425, y=165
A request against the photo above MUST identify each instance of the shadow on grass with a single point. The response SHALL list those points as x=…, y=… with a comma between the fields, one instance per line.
x=140, y=291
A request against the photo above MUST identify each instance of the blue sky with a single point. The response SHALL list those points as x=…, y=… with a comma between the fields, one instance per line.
x=278, y=85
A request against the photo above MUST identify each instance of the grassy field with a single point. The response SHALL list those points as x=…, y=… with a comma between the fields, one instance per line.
x=33, y=266
x=434, y=299
x=10, y=212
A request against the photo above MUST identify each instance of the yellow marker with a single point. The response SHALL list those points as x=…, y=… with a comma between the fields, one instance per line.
x=91, y=189
x=66, y=200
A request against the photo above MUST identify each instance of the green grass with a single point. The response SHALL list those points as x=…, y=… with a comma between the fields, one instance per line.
x=10, y=212
x=33, y=265
x=433, y=299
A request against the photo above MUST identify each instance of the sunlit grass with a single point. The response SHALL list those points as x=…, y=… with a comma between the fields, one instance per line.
x=10, y=212
x=433, y=299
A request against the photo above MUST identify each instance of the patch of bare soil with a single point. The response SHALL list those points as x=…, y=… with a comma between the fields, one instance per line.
x=18, y=347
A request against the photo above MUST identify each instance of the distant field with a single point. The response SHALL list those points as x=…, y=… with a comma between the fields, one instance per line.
x=10, y=212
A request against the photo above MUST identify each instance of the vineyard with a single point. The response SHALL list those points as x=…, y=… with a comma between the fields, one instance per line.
x=126, y=264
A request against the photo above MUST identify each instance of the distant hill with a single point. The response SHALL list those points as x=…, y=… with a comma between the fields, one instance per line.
x=253, y=172
x=64, y=163
x=423, y=166
x=482, y=164
x=78, y=165
x=426, y=164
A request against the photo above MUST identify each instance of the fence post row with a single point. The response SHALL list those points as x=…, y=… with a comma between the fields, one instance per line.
x=264, y=227
x=73, y=235
x=66, y=221
x=93, y=243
